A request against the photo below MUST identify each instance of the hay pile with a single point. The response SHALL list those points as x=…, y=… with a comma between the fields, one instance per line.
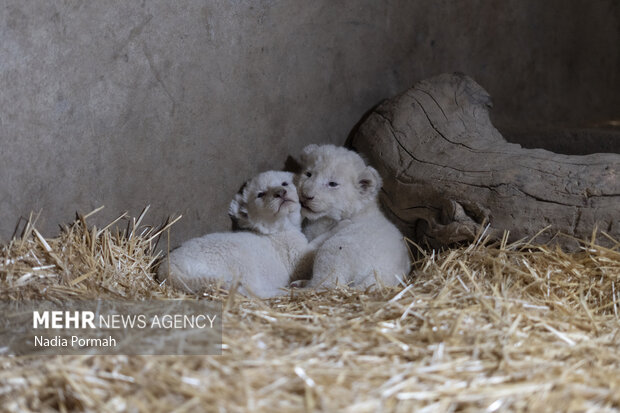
x=502, y=327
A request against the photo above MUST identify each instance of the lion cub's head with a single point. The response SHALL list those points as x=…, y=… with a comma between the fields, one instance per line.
x=335, y=182
x=267, y=203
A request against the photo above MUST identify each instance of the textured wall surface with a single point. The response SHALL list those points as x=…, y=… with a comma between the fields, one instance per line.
x=175, y=104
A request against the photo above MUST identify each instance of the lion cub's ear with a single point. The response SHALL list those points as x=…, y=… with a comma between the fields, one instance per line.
x=369, y=182
x=238, y=211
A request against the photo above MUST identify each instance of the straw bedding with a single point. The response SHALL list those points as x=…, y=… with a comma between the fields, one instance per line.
x=494, y=327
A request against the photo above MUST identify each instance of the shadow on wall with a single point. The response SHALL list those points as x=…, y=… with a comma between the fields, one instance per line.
x=568, y=141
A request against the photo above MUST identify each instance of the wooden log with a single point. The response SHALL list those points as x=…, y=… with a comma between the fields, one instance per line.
x=447, y=171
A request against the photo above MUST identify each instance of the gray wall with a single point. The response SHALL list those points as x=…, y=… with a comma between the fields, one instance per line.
x=176, y=103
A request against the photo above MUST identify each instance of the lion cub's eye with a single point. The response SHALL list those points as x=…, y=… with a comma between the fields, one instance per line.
x=333, y=184
x=260, y=194
x=308, y=174
x=284, y=183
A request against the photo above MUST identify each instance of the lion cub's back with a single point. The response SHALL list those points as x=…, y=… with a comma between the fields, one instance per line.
x=235, y=249
x=228, y=257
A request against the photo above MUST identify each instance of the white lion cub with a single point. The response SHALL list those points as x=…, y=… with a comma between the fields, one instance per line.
x=263, y=259
x=335, y=184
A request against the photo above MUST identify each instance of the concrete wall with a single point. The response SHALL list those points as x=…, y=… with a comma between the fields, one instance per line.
x=176, y=103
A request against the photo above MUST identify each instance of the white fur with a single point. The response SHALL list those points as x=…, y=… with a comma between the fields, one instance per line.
x=261, y=260
x=368, y=250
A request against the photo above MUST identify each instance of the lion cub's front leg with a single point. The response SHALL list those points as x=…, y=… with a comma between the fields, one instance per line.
x=303, y=272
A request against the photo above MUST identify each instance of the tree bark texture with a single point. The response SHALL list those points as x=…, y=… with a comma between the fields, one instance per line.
x=448, y=172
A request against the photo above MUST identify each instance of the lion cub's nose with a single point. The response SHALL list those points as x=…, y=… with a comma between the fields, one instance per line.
x=280, y=193
x=306, y=197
